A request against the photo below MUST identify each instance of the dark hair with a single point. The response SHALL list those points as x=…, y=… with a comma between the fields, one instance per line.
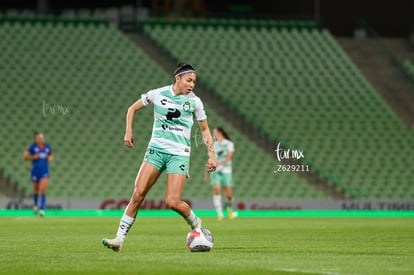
x=35, y=133
x=182, y=67
x=223, y=132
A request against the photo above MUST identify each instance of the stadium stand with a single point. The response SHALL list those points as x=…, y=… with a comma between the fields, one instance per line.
x=409, y=68
x=300, y=87
x=74, y=80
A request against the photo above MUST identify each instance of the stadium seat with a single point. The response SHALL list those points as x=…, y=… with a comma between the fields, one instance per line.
x=97, y=72
x=302, y=88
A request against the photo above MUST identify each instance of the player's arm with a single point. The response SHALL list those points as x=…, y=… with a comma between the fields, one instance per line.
x=206, y=175
x=208, y=141
x=28, y=156
x=50, y=157
x=129, y=137
x=227, y=159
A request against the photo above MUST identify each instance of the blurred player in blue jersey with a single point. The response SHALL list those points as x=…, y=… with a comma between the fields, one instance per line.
x=40, y=154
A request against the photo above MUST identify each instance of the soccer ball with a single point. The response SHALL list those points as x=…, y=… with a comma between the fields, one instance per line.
x=200, y=240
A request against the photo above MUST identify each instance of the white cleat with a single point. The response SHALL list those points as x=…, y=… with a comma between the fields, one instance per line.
x=35, y=210
x=42, y=213
x=114, y=244
x=198, y=224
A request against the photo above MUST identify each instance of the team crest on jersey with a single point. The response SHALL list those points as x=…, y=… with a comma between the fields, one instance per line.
x=187, y=106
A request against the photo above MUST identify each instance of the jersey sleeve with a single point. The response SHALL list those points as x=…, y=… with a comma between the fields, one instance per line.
x=231, y=147
x=148, y=97
x=200, y=113
x=31, y=149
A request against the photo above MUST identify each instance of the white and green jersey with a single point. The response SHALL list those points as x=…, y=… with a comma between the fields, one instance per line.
x=221, y=150
x=173, y=119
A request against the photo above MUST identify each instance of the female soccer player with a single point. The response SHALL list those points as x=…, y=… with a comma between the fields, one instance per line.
x=40, y=154
x=169, y=147
x=224, y=149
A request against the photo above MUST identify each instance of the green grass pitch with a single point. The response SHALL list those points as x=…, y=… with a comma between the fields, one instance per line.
x=278, y=245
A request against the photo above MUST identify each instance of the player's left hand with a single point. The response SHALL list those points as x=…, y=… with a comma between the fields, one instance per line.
x=211, y=165
x=129, y=140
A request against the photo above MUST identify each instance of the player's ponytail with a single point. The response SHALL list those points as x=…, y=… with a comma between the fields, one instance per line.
x=224, y=133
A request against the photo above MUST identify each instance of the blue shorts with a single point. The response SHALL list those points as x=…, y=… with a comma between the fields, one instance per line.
x=38, y=175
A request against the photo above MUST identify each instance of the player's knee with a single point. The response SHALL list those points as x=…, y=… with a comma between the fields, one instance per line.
x=172, y=203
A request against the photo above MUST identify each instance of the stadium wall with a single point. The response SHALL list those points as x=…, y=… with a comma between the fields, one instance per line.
x=153, y=204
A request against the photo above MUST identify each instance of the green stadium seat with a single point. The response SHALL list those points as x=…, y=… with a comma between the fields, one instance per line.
x=360, y=125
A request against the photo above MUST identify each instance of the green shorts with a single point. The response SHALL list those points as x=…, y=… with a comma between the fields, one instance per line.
x=224, y=179
x=174, y=164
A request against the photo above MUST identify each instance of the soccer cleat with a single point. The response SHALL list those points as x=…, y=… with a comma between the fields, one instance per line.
x=114, y=244
x=42, y=213
x=197, y=224
x=35, y=210
x=230, y=212
x=220, y=218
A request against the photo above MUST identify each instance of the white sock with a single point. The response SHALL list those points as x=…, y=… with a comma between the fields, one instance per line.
x=217, y=204
x=191, y=219
x=124, y=225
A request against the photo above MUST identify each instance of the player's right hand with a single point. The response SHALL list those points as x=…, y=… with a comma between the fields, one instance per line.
x=36, y=156
x=211, y=165
x=129, y=140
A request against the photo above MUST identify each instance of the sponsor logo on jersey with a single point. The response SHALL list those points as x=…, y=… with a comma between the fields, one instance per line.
x=173, y=113
x=166, y=101
x=43, y=155
x=172, y=128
